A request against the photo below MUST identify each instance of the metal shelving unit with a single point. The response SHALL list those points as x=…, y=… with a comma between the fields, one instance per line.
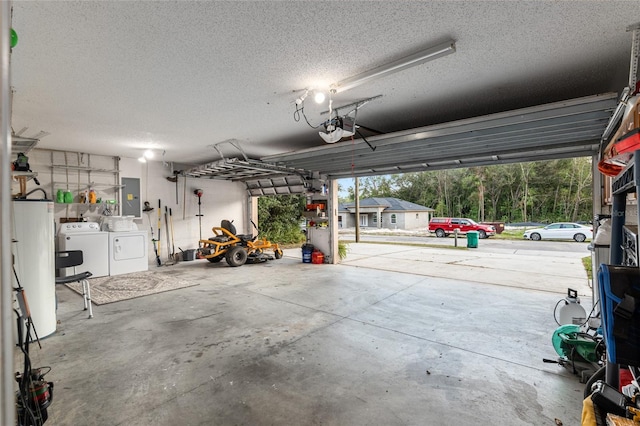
x=627, y=182
x=83, y=178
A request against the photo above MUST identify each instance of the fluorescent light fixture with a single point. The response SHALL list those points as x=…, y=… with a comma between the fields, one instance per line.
x=142, y=159
x=417, y=58
x=148, y=154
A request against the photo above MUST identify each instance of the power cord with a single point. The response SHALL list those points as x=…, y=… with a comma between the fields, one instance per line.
x=299, y=112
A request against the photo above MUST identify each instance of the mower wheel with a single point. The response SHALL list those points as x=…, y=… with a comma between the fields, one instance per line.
x=236, y=256
x=278, y=254
x=215, y=259
x=598, y=375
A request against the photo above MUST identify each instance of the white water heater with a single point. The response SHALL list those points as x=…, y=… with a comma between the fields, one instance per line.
x=34, y=257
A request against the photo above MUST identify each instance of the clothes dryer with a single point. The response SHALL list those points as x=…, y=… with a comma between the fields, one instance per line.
x=128, y=252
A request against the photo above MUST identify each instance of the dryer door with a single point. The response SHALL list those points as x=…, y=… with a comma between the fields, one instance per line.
x=127, y=247
x=127, y=252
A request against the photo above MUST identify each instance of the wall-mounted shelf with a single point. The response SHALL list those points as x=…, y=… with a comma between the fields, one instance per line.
x=316, y=213
x=28, y=175
x=312, y=214
x=22, y=144
x=23, y=178
x=87, y=204
x=84, y=168
x=79, y=172
x=91, y=185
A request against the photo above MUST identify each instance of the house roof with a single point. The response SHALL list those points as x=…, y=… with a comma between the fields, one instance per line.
x=389, y=203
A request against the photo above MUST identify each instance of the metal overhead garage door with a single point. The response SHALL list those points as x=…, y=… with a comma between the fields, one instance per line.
x=571, y=128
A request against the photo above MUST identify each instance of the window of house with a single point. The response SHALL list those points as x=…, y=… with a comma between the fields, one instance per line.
x=417, y=216
x=375, y=218
x=393, y=218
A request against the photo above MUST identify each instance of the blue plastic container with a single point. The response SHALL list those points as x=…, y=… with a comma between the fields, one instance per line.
x=307, y=250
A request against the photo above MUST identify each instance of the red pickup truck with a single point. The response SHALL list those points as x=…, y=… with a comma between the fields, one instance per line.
x=443, y=226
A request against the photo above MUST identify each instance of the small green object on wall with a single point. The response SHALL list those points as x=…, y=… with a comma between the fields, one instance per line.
x=14, y=38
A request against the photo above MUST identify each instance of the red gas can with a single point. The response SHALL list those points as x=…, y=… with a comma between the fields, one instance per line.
x=317, y=257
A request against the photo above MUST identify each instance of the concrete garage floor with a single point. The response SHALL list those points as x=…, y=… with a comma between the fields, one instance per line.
x=383, y=339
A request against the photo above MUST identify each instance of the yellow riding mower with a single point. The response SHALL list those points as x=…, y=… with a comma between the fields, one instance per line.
x=236, y=249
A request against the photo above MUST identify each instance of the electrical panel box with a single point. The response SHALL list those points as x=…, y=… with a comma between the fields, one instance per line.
x=131, y=197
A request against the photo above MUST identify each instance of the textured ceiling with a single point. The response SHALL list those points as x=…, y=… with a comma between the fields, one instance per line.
x=117, y=77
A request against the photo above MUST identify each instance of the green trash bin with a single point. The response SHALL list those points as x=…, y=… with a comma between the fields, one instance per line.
x=472, y=239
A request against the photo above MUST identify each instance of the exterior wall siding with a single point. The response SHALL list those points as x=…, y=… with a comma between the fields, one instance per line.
x=404, y=219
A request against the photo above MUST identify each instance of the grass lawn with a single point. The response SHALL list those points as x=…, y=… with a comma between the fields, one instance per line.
x=509, y=234
x=586, y=262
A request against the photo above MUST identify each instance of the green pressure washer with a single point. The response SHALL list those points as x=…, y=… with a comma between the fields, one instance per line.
x=581, y=348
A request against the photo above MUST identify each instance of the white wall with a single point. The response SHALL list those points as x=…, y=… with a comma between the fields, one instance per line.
x=220, y=200
x=410, y=222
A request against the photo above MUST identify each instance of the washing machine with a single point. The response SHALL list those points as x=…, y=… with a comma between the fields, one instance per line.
x=128, y=252
x=93, y=242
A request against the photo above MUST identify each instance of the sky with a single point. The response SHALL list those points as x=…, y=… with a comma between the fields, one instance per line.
x=345, y=184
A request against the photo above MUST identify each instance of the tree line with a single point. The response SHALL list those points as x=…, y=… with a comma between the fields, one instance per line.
x=543, y=191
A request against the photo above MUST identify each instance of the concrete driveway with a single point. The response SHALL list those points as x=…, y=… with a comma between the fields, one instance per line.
x=534, y=269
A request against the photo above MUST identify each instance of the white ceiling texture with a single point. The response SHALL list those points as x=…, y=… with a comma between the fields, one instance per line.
x=116, y=77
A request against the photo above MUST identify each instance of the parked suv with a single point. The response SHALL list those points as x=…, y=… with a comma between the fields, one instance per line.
x=443, y=226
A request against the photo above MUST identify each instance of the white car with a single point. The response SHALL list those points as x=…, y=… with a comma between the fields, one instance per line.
x=560, y=231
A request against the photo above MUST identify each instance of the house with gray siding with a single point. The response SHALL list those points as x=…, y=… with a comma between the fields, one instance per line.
x=384, y=212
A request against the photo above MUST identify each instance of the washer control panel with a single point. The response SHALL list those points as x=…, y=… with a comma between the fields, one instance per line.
x=74, y=227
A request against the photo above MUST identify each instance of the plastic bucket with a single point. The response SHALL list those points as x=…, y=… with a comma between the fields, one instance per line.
x=472, y=239
x=188, y=255
x=307, y=250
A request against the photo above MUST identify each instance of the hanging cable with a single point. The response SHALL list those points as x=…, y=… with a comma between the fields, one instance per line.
x=300, y=111
x=353, y=155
